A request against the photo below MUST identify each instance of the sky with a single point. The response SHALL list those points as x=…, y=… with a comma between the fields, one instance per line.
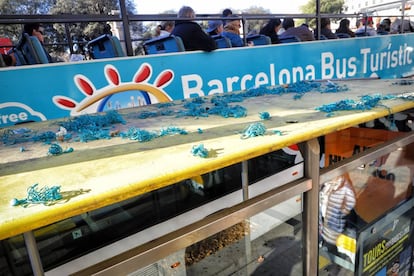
x=217, y=6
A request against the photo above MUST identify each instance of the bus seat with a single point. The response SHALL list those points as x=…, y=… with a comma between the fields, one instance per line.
x=289, y=39
x=105, y=46
x=258, y=40
x=29, y=50
x=362, y=34
x=2, y=62
x=382, y=32
x=222, y=42
x=164, y=44
x=343, y=35
x=18, y=55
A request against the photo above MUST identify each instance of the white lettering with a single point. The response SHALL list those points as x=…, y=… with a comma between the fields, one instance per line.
x=272, y=75
x=310, y=72
x=14, y=118
x=261, y=79
x=297, y=73
x=230, y=82
x=244, y=79
x=327, y=60
x=352, y=67
x=219, y=87
x=284, y=76
x=365, y=53
x=195, y=89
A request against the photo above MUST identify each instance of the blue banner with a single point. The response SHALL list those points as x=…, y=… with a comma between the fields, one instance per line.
x=42, y=92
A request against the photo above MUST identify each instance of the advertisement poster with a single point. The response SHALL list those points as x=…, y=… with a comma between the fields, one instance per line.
x=345, y=143
x=386, y=251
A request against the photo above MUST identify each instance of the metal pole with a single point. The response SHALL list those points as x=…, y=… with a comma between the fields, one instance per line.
x=247, y=238
x=245, y=180
x=402, y=16
x=318, y=19
x=311, y=209
x=69, y=37
x=33, y=252
x=125, y=26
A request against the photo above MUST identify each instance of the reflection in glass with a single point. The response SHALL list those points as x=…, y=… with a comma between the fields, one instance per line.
x=268, y=243
x=365, y=216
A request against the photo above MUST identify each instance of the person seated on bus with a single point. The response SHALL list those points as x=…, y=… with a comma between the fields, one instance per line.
x=232, y=31
x=215, y=27
x=385, y=25
x=191, y=33
x=271, y=30
x=225, y=13
x=408, y=26
x=367, y=28
x=302, y=32
x=165, y=28
x=35, y=29
x=382, y=29
x=344, y=28
x=325, y=29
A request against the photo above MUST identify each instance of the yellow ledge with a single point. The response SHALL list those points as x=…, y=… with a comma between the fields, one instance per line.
x=114, y=170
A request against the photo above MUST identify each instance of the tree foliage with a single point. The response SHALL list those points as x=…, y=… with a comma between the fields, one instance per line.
x=254, y=25
x=326, y=7
x=87, y=30
x=17, y=7
x=57, y=33
x=14, y=7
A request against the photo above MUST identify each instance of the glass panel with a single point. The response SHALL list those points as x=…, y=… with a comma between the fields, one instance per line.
x=62, y=241
x=72, y=238
x=262, y=245
x=366, y=217
x=274, y=162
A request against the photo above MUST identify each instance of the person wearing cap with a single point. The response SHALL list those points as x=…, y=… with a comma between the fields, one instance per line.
x=215, y=27
x=193, y=36
x=232, y=31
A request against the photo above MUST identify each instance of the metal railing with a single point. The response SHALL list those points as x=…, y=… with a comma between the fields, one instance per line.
x=154, y=251
x=126, y=19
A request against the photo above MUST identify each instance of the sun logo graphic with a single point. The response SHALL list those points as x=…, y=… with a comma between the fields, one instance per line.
x=118, y=94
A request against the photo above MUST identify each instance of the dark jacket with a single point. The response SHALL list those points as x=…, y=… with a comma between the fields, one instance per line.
x=302, y=32
x=327, y=33
x=345, y=31
x=193, y=37
x=274, y=38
